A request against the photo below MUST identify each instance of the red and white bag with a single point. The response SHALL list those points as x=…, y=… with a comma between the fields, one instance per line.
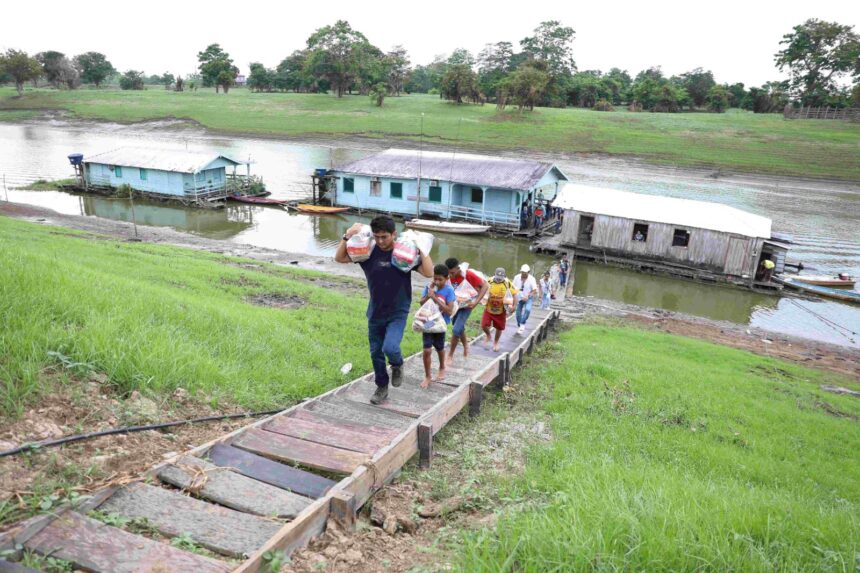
x=360, y=245
x=429, y=319
x=408, y=248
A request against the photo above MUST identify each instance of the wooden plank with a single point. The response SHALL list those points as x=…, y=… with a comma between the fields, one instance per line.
x=298, y=533
x=370, y=477
x=476, y=390
x=398, y=404
x=446, y=410
x=95, y=546
x=327, y=434
x=320, y=418
x=267, y=471
x=309, y=454
x=425, y=445
x=232, y=490
x=220, y=529
x=355, y=412
x=343, y=509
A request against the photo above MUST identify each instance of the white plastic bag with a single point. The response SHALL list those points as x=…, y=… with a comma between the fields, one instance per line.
x=429, y=319
x=466, y=293
x=408, y=248
x=360, y=245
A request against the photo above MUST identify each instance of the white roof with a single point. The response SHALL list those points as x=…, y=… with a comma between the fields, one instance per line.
x=668, y=210
x=160, y=159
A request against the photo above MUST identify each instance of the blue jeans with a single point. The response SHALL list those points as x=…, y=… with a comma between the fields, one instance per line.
x=385, y=335
x=459, y=321
x=545, y=301
x=524, y=309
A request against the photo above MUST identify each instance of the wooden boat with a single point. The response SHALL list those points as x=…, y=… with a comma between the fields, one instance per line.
x=824, y=280
x=447, y=227
x=319, y=209
x=837, y=294
x=256, y=200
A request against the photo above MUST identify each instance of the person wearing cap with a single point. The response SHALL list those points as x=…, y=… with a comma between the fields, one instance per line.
x=528, y=289
x=495, y=313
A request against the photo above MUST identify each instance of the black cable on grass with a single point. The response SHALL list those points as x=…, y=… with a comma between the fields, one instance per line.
x=35, y=446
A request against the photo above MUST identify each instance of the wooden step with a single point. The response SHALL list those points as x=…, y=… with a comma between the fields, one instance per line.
x=220, y=529
x=320, y=418
x=95, y=546
x=402, y=400
x=232, y=490
x=358, y=412
x=328, y=434
x=308, y=454
x=267, y=471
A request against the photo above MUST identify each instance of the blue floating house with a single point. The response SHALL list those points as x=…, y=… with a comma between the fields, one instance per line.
x=177, y=174
x=485, y=189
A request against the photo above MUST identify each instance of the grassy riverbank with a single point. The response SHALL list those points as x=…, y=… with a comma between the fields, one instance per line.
x=672, y=454
x=742, y=141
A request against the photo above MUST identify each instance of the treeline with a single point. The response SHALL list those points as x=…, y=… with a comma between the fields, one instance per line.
x=539, y=71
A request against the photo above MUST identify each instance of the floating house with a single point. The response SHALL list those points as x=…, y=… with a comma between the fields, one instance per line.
x=697, y=239
x=489, y=190
x=176, y=174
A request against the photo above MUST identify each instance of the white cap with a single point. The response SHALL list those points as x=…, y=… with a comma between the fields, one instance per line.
x=525, y=269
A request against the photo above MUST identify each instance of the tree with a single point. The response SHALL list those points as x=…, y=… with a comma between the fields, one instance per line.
x=551, y=43
x=378, y=93
x=93, y=67
x=397, y=67
x=855, y=95
x=526, y=85
x=51, y=63
x=216, y=68
x=459, y=82
x=655, y=93
x=817, y=53
x=698, y=84
x=618, y=81
x=461, y=56
x=769, y=98
x=736, y=94
x=718, y=99
x=21, y=67
x=131, y=80
x=260, y=79
x=180, y=84
x=335, y=53
x=494, y=64
x=168, y=80
x=290, y=74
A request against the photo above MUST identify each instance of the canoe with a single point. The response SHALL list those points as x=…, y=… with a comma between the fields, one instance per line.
x=256, y=200
x=319, y=209
x=823, y=280
x=447, y=227
x=837, y=294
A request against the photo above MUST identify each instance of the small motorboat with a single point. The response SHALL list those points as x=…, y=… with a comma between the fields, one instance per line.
x=834, y=293
x=447, y=227
x=840, y=280
x=256, y=200
x=319, y=209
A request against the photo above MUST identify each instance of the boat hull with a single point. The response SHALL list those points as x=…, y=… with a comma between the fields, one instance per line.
x=319, y=209
x=823, y=291
x=824, y=281
x=256, y=200
x=443, y=227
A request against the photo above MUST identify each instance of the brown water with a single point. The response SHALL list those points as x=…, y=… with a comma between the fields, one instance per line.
x=823, y=219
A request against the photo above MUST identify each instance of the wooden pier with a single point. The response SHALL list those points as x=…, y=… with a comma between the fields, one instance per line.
x=274, y=485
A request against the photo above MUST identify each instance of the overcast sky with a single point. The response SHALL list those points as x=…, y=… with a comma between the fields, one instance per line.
x=734, y=39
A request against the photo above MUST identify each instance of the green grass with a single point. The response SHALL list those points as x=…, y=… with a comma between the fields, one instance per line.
x=154, y=318
x=673, y=454
x=759, y=143
x=45, y=185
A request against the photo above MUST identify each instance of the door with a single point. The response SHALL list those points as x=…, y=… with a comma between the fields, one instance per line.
x=737, y=258
x=586, y=229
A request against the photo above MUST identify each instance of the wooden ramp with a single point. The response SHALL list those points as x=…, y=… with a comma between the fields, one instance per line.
x=274, y=484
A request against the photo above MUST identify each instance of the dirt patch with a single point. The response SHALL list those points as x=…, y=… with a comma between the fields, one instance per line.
x=277, y=300
x=834, y=411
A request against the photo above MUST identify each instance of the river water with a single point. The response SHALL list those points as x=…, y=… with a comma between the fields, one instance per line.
x=822, y=218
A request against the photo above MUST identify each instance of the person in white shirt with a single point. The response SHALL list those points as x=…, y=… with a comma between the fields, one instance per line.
x=528, y=289
x=546, y=290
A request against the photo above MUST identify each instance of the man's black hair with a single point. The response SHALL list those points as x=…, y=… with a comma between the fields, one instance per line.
x=382, y=224
x=441, y=270
x=452, y=263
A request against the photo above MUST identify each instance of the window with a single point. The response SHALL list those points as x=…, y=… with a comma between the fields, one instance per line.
x=477, y=195
x=199, y=176
x=375, y=188
x=681, y=238
x=348, y=185
x=435, y=195
x=143, y=174
x=640, y=232
x=217, y=175
x=117, y=171
x=396, y=190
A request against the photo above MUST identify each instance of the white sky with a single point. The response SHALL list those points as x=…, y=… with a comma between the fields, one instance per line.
x=736, y=39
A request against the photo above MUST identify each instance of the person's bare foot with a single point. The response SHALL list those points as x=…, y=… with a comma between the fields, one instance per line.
x=496, y=347
x=465, y=352
x=441, y=374
x=449, y=359
x=426, y=382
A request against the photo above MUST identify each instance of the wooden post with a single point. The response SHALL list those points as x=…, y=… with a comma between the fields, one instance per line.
x=476, y=393
x=425, y=444
x=343, y=509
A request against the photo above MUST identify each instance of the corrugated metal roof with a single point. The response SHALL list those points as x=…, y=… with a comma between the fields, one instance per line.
x=681, y=212
x=179, y=161
x=460, y=168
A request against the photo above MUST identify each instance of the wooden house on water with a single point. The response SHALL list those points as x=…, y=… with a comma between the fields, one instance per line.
x=476, y=188
x=187, y=176
x=697, y=239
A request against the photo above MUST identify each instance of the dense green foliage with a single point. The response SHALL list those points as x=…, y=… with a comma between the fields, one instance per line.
x=672, y=454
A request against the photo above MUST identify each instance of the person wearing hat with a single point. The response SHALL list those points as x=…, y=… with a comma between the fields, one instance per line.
x=495, y=313
x=528, y=289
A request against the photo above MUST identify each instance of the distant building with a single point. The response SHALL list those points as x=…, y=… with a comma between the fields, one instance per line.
x=170, y=173
x=490, y=190
x=240, y=80
x=693, y=238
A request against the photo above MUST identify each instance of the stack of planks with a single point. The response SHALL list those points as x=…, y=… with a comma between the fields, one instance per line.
x=272, y=485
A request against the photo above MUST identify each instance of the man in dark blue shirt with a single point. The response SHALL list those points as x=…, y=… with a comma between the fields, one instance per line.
x=390, y=299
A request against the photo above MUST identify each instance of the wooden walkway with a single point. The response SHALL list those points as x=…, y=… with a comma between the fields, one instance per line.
x=274, y=485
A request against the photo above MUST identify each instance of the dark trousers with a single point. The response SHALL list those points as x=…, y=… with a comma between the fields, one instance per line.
x=385, y=335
